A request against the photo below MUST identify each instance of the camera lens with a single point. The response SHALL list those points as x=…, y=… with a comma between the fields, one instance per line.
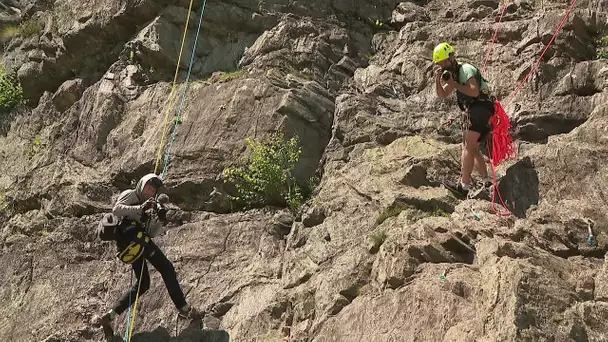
x=446, y=75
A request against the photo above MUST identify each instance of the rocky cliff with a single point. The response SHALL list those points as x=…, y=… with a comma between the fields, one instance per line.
x=382, y=251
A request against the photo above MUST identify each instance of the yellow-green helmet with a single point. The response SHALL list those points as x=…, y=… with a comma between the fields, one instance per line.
x=442, y=52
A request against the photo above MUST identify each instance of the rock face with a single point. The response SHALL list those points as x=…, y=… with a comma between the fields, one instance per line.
x=382, y=251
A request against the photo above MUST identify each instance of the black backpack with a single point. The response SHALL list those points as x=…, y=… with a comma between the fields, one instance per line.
x=108, y=226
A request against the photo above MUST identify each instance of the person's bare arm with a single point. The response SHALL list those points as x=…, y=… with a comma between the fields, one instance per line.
x=443, y=90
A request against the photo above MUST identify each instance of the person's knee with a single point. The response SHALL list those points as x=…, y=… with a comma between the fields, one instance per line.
x=167, y=268
x=164, y=266
x=472, y=148
x=472, y=144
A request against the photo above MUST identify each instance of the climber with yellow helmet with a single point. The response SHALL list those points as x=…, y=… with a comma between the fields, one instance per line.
x=474, y=99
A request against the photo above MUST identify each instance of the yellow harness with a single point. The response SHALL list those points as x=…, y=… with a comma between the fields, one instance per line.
x=135, y=249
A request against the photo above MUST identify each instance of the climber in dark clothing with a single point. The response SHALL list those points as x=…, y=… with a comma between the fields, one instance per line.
x=473, y=98
x=141, y=217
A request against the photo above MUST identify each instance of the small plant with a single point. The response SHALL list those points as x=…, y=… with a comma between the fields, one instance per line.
x=391, y=211
x=378, y=237
x=439, y=212
x=9, y=33
x=378, y=23
x=30, y=28
x=305, y=74
x=27, y=29
x=602, y=47
x=35, y=147
x=370, y=57
x=221, y=76
x=6, y=203
x=602, y=54
x=11, y=92
x=232, y=74
x=312, y=184
x=603, y=42
x=266, y=178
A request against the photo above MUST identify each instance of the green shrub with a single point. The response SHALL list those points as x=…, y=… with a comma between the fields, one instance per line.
x=602, y=54
x=266, y=178
x=11, y=93
x=9, y=32
x=27, y=29
x=602, y=47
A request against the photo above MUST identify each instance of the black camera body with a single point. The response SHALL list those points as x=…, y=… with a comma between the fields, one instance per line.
x=446, y=75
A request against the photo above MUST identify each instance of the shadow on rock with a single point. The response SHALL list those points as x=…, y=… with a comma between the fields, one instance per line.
x=519, y=187
x=192, y=333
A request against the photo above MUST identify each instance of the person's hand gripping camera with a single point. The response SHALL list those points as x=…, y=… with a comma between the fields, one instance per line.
x=156, y=204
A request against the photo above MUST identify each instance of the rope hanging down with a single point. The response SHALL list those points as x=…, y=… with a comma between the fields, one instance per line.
x=173, y=86
x=132, y=324
x=178, y=118
x=177, y=121
x=559, y=27
x=512, y=96
x=502, y=13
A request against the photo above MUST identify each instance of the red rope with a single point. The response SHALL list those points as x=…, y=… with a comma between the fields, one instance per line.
x=505, y=145
x=559, y=27
x=502, y=148
x=504, y=8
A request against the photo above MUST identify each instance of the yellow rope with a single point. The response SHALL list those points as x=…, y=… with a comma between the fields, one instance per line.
x=171, y=97
x=167, y=109
x=143, y=264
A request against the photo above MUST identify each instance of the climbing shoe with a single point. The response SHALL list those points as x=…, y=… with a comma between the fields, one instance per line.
x=486, y=184
x=457, y=189
x=106, y=323
x=191, y=313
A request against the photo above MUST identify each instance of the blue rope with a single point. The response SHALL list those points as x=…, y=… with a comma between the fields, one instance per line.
x=178, y=119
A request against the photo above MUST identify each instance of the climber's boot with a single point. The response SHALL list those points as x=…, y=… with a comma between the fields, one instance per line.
x=190, y=313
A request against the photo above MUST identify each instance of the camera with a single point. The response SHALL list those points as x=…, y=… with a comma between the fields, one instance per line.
x=446, y=75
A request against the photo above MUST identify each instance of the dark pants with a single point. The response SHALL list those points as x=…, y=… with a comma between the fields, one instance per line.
x=160, y=262
x=480, y=115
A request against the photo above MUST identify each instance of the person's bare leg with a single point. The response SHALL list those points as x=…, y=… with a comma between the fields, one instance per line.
x=471, y=149
x=480, y=166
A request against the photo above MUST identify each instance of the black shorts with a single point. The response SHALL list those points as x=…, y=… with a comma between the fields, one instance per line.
x=479, y=118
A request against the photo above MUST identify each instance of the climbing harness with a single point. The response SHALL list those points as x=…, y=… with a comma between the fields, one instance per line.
x=135, y=249
x=465, y=101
